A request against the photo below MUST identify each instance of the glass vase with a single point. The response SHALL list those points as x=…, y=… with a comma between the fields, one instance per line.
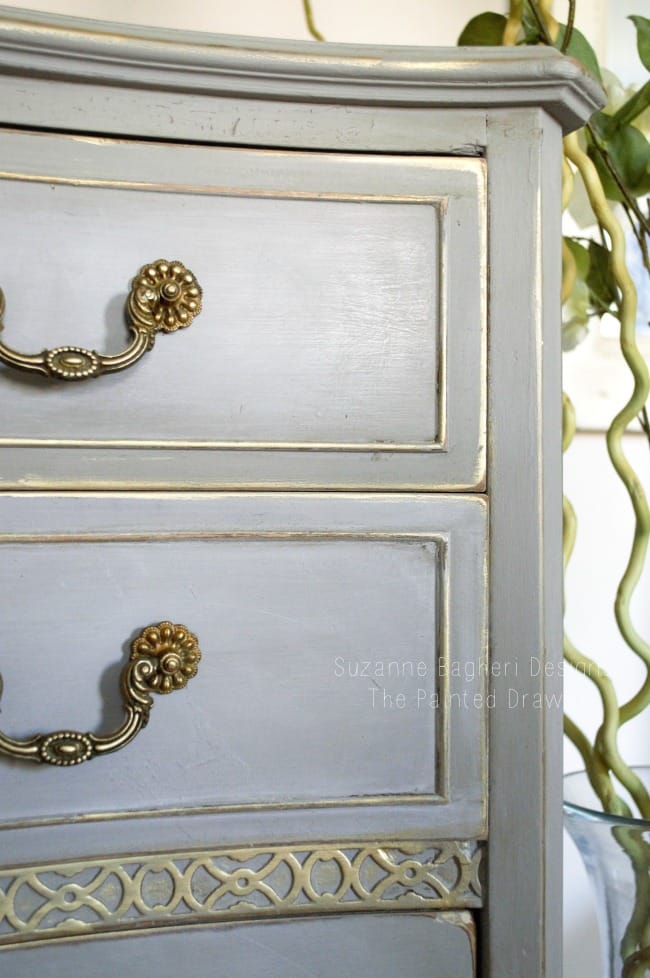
x=616, y=853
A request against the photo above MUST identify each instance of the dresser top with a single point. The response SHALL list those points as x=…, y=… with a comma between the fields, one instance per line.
x=36, y=44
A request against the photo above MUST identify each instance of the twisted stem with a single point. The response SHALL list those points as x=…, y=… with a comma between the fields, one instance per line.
x=311, y=23
x=614, y=718
x=513, y=26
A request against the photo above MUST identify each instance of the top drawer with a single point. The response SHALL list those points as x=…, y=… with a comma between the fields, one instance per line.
x=342, y=332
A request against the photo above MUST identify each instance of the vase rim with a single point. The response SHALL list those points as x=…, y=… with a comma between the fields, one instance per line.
x=597, y=815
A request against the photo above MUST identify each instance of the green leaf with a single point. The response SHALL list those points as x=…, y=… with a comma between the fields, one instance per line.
x=532, y=33
x=528, y=21
x=486, y=29
x=629, y=153
x=635, y=106
x=581, y=256
x=576, y=311
x=642, y=25
x=581, y=50
x=574, y=332
x=600, y=280
x=600, y=122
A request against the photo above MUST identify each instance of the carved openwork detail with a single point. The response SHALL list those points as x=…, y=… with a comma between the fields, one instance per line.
x=123, y=894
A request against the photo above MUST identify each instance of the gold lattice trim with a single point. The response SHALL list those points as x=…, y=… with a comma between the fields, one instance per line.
x=77, y=899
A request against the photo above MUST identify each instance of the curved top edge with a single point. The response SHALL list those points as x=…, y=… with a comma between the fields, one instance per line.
x=195, y=61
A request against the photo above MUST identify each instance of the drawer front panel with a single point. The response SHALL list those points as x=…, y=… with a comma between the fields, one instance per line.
x=340, y=342
x=416, y=945
x=343, y=656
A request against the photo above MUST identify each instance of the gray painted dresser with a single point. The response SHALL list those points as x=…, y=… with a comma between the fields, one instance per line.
x=338, y=478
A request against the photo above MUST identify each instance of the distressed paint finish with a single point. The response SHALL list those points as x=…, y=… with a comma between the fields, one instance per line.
x=400, y=142
x=105, y=61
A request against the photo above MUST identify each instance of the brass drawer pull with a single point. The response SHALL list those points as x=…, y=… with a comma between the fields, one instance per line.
x=164, y=297
x=164, y=657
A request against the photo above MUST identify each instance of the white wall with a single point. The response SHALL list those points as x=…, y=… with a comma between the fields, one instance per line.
x=605, y=527
x=434, y=22
x=372, y=21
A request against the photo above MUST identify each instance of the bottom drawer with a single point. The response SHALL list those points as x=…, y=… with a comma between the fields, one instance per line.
x=382, y=945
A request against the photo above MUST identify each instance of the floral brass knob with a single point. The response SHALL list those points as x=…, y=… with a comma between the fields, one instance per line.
x=165, y=296
x=164, y=657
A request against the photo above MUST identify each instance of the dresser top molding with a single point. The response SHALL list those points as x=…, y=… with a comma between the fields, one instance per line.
x=69, y=49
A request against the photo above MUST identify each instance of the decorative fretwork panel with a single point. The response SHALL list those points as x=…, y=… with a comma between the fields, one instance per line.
x=129, y=892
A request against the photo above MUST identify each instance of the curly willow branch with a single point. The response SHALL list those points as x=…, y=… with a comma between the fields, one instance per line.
x=548, y=26
x=513, y=24
x=637, y=965
x=311, y=23
x=551, y=23
x=606, y=736
x=635, y=947
x=597, y=770
x=620, y=423
x=569, y=270
x=569, y=26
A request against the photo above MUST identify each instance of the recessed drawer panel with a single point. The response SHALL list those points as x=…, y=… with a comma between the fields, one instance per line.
x=340, y=343
x=342, y=674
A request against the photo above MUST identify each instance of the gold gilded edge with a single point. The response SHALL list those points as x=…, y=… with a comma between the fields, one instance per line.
x=181, y=535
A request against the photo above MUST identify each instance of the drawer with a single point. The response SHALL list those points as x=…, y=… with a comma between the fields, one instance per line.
x=341, y=688
x=340, y=341
x=420, y=946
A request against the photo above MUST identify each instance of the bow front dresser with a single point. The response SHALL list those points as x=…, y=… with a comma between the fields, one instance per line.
x=280, y=505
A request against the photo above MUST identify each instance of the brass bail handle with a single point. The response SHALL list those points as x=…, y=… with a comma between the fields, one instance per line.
x=164, y=657
x=165, y=296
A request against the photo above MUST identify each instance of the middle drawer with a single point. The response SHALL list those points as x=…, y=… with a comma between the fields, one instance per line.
x=342, y=677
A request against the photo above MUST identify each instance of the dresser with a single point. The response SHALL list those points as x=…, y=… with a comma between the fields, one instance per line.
x=280, y=536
